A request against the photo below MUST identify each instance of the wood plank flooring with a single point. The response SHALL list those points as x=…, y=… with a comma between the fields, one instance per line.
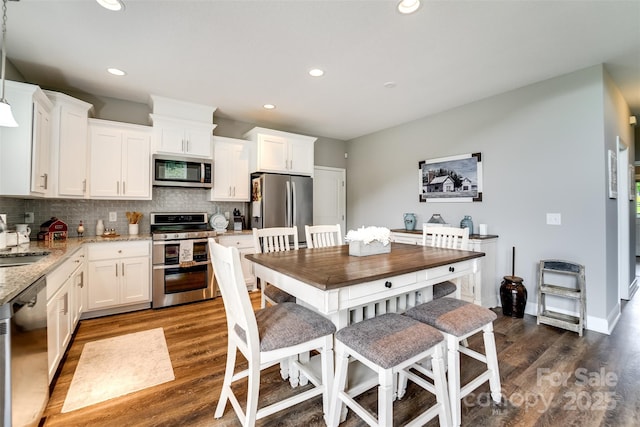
x=549, y=376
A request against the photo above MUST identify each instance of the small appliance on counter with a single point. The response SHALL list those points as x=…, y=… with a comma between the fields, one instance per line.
x=54, y=229
x=238, y=220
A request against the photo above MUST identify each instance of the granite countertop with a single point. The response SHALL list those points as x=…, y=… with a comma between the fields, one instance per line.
x=14, y=280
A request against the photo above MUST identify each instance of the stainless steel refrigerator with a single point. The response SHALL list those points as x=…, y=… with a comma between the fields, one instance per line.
x=282, y=201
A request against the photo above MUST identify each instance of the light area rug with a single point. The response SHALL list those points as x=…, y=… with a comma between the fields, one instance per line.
x=118, y=366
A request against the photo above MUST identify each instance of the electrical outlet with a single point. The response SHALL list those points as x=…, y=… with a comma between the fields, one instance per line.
x=554, y=219
x=113, y=216
x=29, y=218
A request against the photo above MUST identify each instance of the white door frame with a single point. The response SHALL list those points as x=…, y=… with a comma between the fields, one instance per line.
x=343, y=192
x=625, y=283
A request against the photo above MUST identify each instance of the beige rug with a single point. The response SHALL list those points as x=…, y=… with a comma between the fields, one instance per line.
x=117, y=366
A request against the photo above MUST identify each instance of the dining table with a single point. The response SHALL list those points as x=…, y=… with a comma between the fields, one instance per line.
x=347, y=289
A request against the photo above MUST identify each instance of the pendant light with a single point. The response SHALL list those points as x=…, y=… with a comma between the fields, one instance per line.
x=6, y=116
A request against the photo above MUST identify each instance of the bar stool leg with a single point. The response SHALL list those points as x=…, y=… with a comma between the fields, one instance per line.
x=453, y=369
x=385, y=398
x=492, y=363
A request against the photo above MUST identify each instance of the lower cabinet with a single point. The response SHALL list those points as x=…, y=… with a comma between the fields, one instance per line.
x=65, y=303
x=244, y=243
x=119, y=274
x=485, y=291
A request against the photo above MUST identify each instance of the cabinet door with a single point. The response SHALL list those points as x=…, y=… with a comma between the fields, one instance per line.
x=41, y=148
x=106, y=162
x=171, y=139
x=240, y=173
x=198, y=142
x=273, y=153
x=104, y=284
x=135, y=280
x=300, y=157
x=53, y=349
x=72, y=170
x=136, y=165
x=222, y=171
x=78, y=291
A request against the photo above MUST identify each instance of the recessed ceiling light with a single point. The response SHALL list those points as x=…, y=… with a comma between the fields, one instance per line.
x=114, y=5
x=269, y=106
x=316, y=72
x=116, y=71
x=408, y=6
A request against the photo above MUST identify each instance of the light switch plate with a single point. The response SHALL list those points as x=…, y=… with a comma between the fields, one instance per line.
x=113, y=216
x=554, y=219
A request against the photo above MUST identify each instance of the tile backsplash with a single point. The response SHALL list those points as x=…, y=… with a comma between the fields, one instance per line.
x=72, y=211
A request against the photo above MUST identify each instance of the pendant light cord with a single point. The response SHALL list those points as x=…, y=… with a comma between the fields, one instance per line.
x=4, y=44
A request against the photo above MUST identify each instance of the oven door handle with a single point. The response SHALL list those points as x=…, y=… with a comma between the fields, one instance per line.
x=177, y=242
x=169, y=266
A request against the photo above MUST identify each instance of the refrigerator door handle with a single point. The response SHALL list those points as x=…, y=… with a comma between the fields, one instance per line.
x=294, y=199
x=288, y=211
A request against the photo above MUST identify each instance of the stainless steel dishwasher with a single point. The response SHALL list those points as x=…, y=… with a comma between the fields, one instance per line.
x=23, y=356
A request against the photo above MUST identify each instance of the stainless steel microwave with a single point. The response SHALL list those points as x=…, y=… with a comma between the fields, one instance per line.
x=178, y=171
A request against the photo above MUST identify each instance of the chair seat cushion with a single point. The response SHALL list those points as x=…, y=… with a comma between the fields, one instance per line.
x=288, y=324
x=389, y=339
x=443, y=289
x=453, y=316
x=277, y=295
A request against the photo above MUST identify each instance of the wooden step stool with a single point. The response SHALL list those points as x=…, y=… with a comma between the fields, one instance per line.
x=553, y=318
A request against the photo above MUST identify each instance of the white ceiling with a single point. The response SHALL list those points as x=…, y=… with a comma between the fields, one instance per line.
x=238, y=55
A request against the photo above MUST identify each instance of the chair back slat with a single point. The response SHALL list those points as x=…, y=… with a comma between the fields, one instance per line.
x=237, y=304
x=445, y=237
x=275, y=239
x=322, y=236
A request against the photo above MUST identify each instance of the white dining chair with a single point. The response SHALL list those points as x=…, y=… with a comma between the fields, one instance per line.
x=322, y=236
x=445, y=237
x=274, y=239
x=264, y=338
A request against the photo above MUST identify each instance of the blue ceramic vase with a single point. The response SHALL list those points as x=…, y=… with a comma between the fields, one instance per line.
x=467, y=223
x=409, y=221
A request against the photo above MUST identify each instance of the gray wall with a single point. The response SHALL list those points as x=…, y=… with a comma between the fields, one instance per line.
x=543, y=151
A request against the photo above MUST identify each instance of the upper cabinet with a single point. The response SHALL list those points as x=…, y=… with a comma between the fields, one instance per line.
x=232, y=158
x=69, y=141
x=181, y=127
x=120, y=160
x=25, y=150
x=282, y=152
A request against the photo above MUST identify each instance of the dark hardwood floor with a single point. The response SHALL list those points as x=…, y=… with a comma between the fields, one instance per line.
x=550, y=377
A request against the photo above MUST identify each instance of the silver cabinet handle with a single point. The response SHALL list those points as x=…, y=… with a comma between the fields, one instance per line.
x=84, y=185
x=116, y=270
x=124, y=191
x=123, y=269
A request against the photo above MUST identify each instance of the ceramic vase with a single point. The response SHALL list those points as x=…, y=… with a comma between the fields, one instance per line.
x=409, y=221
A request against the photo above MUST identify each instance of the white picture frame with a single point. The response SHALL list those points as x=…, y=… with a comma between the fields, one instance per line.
x=613, y=174
x=463, y=174
x=632, y=183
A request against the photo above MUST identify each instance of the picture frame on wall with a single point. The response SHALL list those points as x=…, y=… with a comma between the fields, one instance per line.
x=632, y=183
x=613, y=174
x=451, y=179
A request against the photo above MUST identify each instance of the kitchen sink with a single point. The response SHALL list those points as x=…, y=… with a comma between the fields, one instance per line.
x=14, y=261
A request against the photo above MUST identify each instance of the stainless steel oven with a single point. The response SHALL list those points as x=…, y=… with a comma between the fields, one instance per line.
x=182, y=271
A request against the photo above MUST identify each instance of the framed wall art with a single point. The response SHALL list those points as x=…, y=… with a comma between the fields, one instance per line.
x=451, y=179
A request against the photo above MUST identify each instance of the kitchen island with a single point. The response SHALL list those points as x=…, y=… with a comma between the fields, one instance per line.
x=347, y=289
x=14, y=280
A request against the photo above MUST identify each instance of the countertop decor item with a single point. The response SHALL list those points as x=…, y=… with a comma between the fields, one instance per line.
x=99, y=228
x=80, y=229
x=409, y=221
x=436, y=219
x=134, y=217
x=467, y=222
x=369, y=241
x=219, y=223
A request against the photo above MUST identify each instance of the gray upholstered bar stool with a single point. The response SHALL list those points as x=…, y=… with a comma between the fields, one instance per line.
x=388, y=344
x=458, y=320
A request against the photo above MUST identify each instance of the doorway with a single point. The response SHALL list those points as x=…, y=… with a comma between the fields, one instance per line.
x=626, y=286
x=329, y=196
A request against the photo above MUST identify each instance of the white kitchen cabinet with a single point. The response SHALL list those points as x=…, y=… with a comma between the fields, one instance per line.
x=282, y=152
x=25, y=150
x=64, y=290
x=120, y=160
x=119, y=274
x=232, y=158
x=185, y=137
x=244, y=243
x=69, y=143
x=486, y=288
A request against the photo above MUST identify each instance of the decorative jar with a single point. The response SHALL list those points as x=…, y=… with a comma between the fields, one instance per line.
x=467, y=223
x=409, y=221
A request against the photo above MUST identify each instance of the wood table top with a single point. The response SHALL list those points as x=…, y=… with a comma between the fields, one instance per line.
x=333, y=267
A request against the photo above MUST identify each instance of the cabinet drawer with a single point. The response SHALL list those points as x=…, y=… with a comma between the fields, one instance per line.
x=240, y=242
x=380, y=286
x=57, y=277
x=99, y=251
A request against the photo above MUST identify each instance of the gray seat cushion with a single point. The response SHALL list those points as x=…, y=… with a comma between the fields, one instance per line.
x=389, y=339
x=443, y=289
x=453, y=316
x=288, y=324
x=277, y=295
